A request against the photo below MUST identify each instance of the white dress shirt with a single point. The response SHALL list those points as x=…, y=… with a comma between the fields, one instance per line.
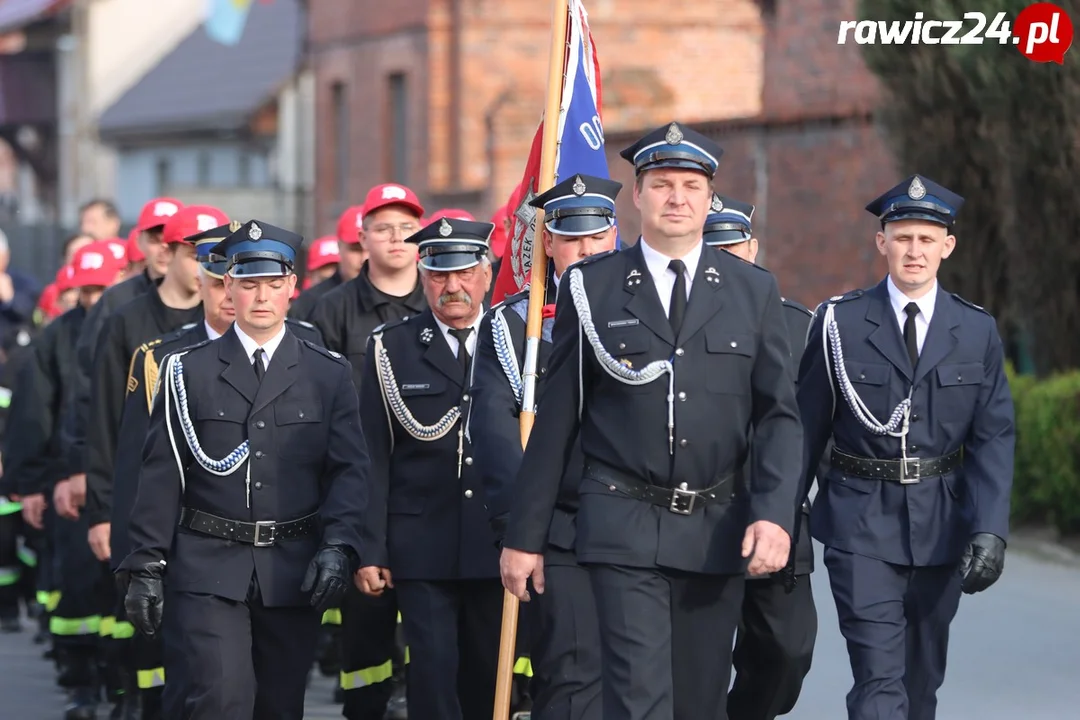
x=211, y=332
x=250, y=346
x=926, y=304
x=470, y=342
x=663, y=276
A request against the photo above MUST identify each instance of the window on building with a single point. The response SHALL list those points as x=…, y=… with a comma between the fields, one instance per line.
x=340, y=104
x=243, y=169
x=163, y=172
x=398, y=146
x=203, y=168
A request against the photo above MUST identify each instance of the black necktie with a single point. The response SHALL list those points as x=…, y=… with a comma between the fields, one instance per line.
x=260, y=368
x=462, y=335
x=911, y=338
x=677, y=311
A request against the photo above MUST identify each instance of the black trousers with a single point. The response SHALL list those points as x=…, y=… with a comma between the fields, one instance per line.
x=241, y=660
x=452, y=629
x=11, y=568
x=773, y=648
x=666, y=639
x=895, y=620
x=564, y=643
x=87, y=588
x=368, y=649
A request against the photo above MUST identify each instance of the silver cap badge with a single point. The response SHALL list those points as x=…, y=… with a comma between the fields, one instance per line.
x=255, y=232
x=579, y=186
x=674, y=135
x=717, y=203
x=916, y=190
x=445, y=229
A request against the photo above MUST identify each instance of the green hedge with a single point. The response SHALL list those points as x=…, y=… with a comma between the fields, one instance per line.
x=1046, y=485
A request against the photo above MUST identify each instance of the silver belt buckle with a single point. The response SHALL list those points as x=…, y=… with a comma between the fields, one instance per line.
x=682, y=500
x=907, y=477
x=259, y=525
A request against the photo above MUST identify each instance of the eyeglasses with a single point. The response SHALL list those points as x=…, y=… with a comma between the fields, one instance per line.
x=382, y=232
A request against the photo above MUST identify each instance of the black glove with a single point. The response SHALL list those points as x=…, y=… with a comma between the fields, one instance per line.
x=144, y=601
x=328, y=575
x=983, y=561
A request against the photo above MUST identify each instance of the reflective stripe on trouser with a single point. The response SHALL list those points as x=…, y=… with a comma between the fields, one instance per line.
x=151, y=678
x=48, y=599
x=75, y=627
x=332, y=617
x=10, y=575
x=368, y=651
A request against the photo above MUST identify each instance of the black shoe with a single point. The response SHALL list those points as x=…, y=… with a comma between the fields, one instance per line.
x=83, y=704
x=11, y=625
x=397, y=708
x=339, y=695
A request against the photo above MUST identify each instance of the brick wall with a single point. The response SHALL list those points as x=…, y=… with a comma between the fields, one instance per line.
x=656, y=61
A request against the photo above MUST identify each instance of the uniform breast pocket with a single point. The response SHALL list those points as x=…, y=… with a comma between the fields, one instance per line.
x=630, y=347
x=730, y=361
x=871, y=382
x=958, y=390
x=220, y=428
x=299, y=428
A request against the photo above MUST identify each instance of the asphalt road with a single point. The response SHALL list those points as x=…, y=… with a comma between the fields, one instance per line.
x=1014, y=653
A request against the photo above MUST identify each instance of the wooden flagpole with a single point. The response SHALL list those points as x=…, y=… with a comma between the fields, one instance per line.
x=534, y=323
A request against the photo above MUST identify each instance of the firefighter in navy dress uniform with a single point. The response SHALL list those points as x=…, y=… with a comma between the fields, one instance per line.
x=775, y=641
x=564, y=642
x=666, y=356
x=908, y=379
x=246, y=522
x=426, y=532
x=218, y=315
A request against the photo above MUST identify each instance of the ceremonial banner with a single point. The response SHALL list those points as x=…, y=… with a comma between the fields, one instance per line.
x=225, y=19
x=580, y=149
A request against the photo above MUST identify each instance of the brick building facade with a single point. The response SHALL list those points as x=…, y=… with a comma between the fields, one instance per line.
x=445, y=95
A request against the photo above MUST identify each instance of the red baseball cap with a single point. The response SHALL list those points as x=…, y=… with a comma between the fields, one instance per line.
x=47, y=300
x=498, y=235
x=323, y=252
x=452, y=213
x=63, y=279
x=134, y=254
x=156, y=212
x=381, y=196
x=350, y=224
x=192, y=220
x=98, y=263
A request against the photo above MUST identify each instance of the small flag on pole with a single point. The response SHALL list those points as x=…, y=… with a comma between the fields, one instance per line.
x=225, y=20
x=580, y=150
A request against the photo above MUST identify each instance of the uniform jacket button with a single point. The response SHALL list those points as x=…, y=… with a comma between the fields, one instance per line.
x=221, y=413
x=622, y=346
x=682, y=395
x=468, y=493
x=680, y=352
x=258, y=454
x=260, y=424
x=862, y=376
x=465, y=397
x=301, y=414
x=468, y=461
x=683, y=443
x=258, y=486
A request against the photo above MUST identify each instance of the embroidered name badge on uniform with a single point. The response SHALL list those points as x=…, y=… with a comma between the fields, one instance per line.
x=623, y=323
x=415, y=386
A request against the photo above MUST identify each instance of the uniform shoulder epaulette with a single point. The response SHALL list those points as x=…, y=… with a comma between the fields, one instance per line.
x=335, y=356
x=592, y=259
x=391, y=325
x=189, y=348
x=301, y=323
x=511, y=300
x=850, y=295
x=796, y=305
x=175, y=334
x=970, y=304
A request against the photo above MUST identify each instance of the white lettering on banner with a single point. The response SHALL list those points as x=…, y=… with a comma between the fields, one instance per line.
x=593, y=133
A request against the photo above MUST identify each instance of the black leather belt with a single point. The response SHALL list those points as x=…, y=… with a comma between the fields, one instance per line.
x=680, y=500
x=263, y=533
x=905, y=472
